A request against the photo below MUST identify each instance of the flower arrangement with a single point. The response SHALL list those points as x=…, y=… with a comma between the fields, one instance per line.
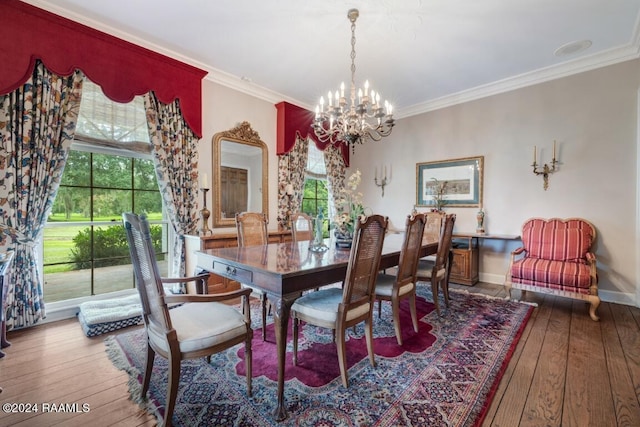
x=349, y=206
x=437, y=191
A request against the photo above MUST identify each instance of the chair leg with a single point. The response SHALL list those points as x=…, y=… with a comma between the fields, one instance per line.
x=445, y=292
x=414, y=312
x=368, y=329
x=248, y=360
x=395, y=309
x=434, y=292
x=147, y=371
x=172, y=388
x=342, y=355
x=379, y=308
x=296, y=322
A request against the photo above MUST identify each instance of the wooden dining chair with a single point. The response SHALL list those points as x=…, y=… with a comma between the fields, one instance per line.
x=340, y=308
x=201, y=325
x=252, y=231
x=402, y=285
x=301, y=227
x=436, y=271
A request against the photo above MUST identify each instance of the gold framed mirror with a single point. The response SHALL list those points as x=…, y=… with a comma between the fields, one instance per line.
x=240, y=174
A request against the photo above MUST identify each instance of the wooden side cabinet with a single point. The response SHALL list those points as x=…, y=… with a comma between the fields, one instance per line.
x=217, y=283
x=464, y=265
x=466, y=255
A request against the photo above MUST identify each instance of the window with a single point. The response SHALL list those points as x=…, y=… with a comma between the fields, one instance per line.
x=107, y=173
x=316, y=193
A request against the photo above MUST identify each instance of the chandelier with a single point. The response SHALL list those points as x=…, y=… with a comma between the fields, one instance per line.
x=363, y=119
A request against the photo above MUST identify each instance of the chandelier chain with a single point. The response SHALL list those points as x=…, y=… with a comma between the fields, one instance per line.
x=353, y=61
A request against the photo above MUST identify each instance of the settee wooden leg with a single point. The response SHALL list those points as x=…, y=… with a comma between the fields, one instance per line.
x=507, y=286
x=594, y=302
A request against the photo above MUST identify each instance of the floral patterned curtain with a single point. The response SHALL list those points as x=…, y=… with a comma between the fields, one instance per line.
x=336, y=171
x=291, y=175
x=37, y=124
x=175, y=153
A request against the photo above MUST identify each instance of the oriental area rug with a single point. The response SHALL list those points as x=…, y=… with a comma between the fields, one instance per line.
x=444, y=375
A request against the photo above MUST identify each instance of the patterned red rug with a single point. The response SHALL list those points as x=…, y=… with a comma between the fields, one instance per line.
x=444, y=375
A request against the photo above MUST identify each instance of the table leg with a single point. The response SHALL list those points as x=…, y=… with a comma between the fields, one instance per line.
x=282, y=307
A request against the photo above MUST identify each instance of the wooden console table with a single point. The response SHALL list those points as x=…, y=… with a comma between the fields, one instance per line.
x=466, y=254
x=194, y=243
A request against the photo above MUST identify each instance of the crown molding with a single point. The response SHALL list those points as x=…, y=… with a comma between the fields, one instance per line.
x=592, y=62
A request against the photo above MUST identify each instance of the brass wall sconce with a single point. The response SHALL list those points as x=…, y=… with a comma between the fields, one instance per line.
x=546, y=170
x=384, y=179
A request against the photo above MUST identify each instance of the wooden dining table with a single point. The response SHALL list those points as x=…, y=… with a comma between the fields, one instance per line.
x=284, y=271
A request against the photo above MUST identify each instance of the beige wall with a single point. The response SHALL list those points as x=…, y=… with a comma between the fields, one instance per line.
x=592, y=116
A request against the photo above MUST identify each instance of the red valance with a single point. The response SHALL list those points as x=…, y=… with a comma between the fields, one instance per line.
x=122, y=69
x=295, y=121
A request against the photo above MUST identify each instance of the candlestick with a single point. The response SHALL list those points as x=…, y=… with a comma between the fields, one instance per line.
x=204, y=214
x=205, y=181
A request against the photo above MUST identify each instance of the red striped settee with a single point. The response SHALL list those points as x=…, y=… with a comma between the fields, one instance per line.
x=556, y=258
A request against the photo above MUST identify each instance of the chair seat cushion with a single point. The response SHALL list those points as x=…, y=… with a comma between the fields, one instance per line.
x=323, y=305
x=425, y=270
x=384, y=286
x=201, y=325
x=551, y=274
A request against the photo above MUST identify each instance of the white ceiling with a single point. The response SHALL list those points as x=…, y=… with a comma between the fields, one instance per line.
x=420, y=54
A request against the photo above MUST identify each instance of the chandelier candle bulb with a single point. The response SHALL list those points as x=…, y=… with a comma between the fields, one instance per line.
x=534, y=155
x=205, y=181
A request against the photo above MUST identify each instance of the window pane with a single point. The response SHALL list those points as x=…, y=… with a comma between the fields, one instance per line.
x=68, y=284
x=72, y=204
x=61, y=246
x=111, y=171
x=77, y=170
x=113, y=278
x=108, y=205
x=148, y=202
x=144, y=177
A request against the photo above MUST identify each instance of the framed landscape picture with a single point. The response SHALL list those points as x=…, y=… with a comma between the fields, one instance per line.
x=459, y=179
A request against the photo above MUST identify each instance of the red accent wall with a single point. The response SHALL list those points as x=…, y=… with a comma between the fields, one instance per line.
x=122, y=69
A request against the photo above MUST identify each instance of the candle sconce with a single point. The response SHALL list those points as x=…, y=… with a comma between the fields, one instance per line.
x=546, y=169
x=384, y=179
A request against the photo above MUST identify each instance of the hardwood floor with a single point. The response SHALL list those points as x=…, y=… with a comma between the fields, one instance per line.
x=567, y=370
